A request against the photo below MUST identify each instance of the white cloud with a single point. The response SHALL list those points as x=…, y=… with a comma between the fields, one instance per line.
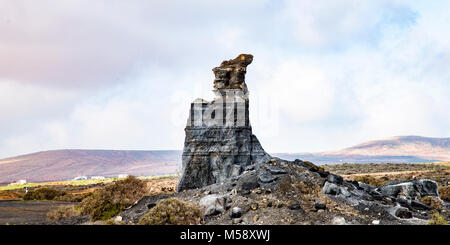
x=330, y=24
x=122, y=75
x=304, y=92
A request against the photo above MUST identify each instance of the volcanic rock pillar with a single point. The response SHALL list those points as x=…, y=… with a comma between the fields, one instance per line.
x=219, y=142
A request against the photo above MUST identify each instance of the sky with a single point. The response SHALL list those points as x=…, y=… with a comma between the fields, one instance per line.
x=109, y=74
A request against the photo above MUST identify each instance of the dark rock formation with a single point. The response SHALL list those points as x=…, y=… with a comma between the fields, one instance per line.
x=219, y=143
x=411, y=189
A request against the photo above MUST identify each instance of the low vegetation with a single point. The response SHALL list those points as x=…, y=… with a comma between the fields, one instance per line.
x=370, y=180
x=113, y=198
x=43, y=194
x=444, y=192
x=433, y=202
x=73, y=197
x=360, y=168
x=10, y=195
x=63, y=212
x=285, y=186
x=77, y=182
x=54, y=195
x=173, y=211
x=437, y=219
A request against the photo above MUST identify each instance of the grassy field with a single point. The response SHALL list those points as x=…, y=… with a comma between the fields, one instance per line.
x=355, y=168
x=76, y=182
x=345, y=169
x=384, y=173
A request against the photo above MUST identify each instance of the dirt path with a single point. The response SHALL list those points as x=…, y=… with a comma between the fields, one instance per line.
x=26, y=212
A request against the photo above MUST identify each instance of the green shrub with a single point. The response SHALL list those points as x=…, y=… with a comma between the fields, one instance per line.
x=172, y=211
x=63, y=212
x=370, y=180
x=54, y=195
x=113, y=198
x=43, y=194
x=444, y=192
x=437, y=219
x=433, y=202
x=73, y=197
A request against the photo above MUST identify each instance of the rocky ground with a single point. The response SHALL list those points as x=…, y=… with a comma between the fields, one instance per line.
x=283, y=192
x=277, y=192
x=439, y=172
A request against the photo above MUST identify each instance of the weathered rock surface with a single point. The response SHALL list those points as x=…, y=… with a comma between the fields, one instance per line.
x=231, y=73
x=297, y=197
x=215, y=204
x=411, y=189
x=219, y=143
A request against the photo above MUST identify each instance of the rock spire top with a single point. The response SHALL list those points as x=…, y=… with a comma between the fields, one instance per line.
x=231, y=73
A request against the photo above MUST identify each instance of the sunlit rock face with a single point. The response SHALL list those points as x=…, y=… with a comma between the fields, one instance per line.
x=219, y=143
x=231, y=73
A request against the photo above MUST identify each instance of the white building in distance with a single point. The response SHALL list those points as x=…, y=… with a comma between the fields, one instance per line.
x=19, y=182
x=97, y=177
x=80, y=178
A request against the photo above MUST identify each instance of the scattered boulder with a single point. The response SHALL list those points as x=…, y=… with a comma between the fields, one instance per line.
x=214, y=204
x=266, y=177
x=390, y=190
x=338, y=221
x=276, y=170
x=336, y=179
x=248, y=186
x=236, y=212
x=331, y=189
x=344, y=191
x=308, y=165
x=236, y=221
x=365, y=187
x=410, y=189
x=118, y=219
x=412, y=204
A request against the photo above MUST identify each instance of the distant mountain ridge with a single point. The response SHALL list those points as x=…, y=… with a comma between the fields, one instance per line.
x=66, y=164
x=395, y=149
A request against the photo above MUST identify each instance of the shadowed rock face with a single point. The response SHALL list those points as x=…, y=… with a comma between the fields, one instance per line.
x=219, y=143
